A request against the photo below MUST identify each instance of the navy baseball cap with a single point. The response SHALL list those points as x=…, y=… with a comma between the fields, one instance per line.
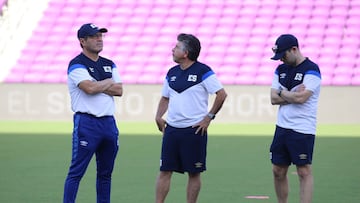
x=89, y=29
x=282, y=44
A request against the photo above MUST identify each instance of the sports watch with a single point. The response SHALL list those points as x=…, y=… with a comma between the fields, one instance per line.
x=211, y=116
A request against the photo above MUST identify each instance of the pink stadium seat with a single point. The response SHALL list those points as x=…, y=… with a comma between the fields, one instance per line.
x=356, y=80
x=14, y=78
x=267, y=68
x=227, y=78
x=129, y=78
x=236, y=37
x=51, y=78
x=341, y=80
x=226, y=69
x=263, y=79
x=2, y=3
x=245, y=79
x=148, y=78
x=356, y=71
x=326, y=79
x=33, y=77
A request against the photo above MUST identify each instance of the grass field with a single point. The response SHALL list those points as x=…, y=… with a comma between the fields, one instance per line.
x=35, y=157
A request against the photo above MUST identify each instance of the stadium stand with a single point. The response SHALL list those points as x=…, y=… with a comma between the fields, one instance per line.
x=236, y=36
x=17, y=20
x=2, y=4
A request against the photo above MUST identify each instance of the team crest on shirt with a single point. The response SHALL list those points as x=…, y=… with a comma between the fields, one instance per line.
x=192, y=78
x=107, y=69
x=298, y=76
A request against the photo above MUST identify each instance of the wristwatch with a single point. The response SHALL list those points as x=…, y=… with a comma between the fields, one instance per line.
x=211, y=116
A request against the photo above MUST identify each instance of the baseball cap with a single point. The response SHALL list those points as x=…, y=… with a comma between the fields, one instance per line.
x=282, y=44
x=89, y=29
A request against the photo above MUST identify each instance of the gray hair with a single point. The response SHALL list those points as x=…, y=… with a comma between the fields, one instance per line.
x=192, y=45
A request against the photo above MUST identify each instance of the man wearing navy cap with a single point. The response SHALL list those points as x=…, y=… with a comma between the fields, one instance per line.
x=93, y=82
x=295, y=88
x=89, y=29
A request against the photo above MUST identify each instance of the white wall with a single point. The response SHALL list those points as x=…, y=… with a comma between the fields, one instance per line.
x=245, y=104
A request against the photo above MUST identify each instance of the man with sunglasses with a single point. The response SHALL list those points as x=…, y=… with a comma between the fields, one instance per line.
x=93, y=82
x=295, y=88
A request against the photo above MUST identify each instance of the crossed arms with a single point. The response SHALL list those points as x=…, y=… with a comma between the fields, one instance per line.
x=107, y=86
x=299, y=96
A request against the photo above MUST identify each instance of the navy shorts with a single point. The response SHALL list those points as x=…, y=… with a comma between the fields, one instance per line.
x=289, y=147
x=183, y=150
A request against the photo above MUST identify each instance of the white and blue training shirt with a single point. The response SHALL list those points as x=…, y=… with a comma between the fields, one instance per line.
x=299, y=117
x=83, y=68
x=188, y=92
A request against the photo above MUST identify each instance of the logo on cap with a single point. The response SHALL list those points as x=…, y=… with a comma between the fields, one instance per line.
x=89, y=29
x=274, y=49
x=282, y=44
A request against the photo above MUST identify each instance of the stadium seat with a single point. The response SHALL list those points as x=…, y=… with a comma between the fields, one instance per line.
x=355, y=80
x=236, y=37
x=342, y=80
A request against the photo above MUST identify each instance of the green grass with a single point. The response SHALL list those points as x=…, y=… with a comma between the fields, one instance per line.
x=34, y=165
x=149, y=128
